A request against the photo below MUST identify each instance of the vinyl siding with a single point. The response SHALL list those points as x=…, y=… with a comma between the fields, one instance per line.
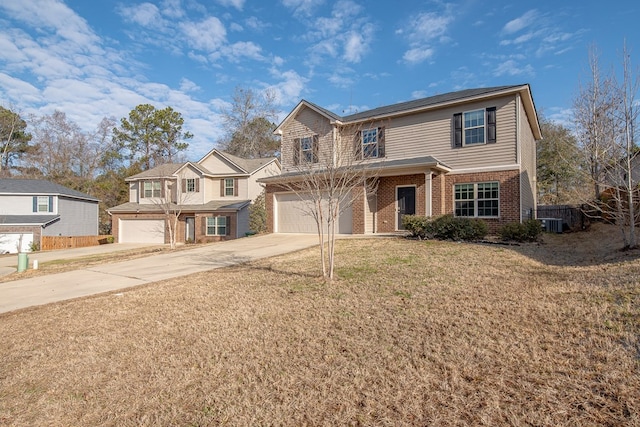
x=22, y=205
x=219, y=166
x=528, y=164
x=306, y=123
x=429, y=134
x=193, y=198
x=255, y=188
x=77, y=218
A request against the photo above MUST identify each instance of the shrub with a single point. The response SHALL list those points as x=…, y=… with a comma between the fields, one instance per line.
x=448, y=227
x=445, y=227
x=416, y=225
x=528, y=231
x=258, y=214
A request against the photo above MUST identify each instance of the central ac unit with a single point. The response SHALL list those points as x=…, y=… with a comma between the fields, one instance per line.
x=551, y=225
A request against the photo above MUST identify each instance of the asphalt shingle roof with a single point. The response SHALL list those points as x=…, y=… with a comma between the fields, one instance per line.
x=212, y=206
x=27, y=219
x=39, y=187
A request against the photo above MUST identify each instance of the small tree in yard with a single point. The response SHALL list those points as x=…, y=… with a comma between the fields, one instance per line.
x=331, y=172
x=258, y=214
x=171, y=205
x=606, y=115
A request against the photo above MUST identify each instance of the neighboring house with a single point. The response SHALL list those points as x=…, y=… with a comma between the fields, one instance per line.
x=211, y=199
x=470, y=153
x=31, y=208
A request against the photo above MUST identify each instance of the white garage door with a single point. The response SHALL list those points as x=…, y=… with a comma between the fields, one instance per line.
x=141, y=231
x=292, y=215
x=10, y=242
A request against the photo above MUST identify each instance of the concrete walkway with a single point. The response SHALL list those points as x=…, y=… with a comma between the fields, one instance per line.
x=119, y=275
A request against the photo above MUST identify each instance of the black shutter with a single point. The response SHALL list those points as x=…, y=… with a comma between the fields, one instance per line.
x=204, y=225
x=357, y=145
x=197, y=185
x=296, y=151
x=184, y=185
x=50, y=203
x=491, y=125
x=222, y=187
x=228, y=226
x=381, y=142
x=235, y=187
x=35, y=203
x=457, y=130
x=316, y=148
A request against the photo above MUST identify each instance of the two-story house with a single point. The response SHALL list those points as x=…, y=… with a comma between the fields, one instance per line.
x=32, y=208
x=210, y=199
x=470, y=153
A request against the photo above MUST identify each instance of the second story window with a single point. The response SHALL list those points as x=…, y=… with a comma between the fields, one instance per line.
x=474, y=127
x=152, y=189
x=370, y=143
x=43, y=204
x=305, y=150
x=229, y=187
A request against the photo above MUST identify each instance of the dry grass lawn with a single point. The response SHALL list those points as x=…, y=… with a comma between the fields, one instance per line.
x=413, y=333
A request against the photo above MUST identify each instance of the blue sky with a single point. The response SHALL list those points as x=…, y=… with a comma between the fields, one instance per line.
x=92, y=59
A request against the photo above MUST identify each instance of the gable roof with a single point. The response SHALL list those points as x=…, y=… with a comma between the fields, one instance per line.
x=161, y=171
x=39, y=187
x=42, y=220
x=436, y=101
x=247, y=166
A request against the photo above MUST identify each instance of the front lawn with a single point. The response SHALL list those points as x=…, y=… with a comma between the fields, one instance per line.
x=413, y=333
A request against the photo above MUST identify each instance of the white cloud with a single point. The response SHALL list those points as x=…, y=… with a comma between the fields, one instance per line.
x=256, y=24
x=240, y=50
x=172, y=9
x=187, y=85
x=512, y=68
x=288, y=90
x=520, y=23
x=238, y=4
x=302, y=7
x=423, y=32
x=145, y=14
x=208, y=35
x=417, y=55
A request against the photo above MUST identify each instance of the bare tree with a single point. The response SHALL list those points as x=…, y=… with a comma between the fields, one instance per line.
x=14, y=139
x=249, y=124
x=330, y=176
x=172, y=204
x=607, y=124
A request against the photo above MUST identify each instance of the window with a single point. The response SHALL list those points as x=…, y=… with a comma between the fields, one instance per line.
x=229, y=186
x=477, y=200
x=474, y=127
x=43, y=204
x=152, y=189
x=191, y=185
x=305, y=150
x=370, y=143
x=217, y=226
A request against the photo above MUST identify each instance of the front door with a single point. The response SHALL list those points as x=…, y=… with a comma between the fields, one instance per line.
x=190, y=229
x=406, y=197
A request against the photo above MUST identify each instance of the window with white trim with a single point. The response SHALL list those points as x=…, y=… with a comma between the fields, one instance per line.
x=217, y=226
x=371, y=143
x=152, y=189
x=480, y=199
x=229, y=186
x=43, y=203
x=306, y=149
x=191, y=185
x=474, y=127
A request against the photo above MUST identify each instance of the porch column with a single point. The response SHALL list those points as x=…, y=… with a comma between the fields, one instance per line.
x=427, y=195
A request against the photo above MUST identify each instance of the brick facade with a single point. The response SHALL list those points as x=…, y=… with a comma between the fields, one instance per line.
x=200, y=225
x=387, y=212
x=443, y=187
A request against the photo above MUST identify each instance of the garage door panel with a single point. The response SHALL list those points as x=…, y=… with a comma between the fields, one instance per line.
x=141, y=231
x=10, y=242
x=293, y=215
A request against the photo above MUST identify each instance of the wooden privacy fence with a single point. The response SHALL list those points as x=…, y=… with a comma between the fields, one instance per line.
x=67, y=242
x=572, y=216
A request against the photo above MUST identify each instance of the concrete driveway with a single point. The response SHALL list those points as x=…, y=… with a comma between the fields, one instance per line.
x=119, y=275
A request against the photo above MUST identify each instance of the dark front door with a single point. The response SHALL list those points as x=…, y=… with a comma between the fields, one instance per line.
x=406, y=197
x=190, y=229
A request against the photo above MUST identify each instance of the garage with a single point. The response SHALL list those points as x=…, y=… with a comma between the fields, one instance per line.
x=141, y=231
x=10, y=242
x=292, y=215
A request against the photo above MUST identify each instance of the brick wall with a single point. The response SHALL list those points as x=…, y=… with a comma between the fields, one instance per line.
x=509, y=194
x=386, y=217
